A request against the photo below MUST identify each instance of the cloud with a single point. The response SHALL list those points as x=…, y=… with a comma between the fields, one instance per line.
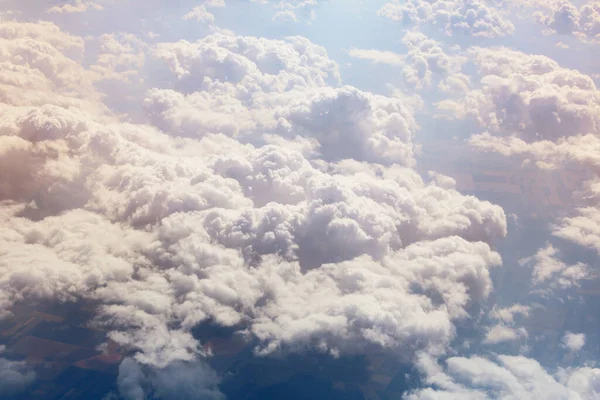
x=507, y=314
x=214, y=3
x=505, y=329
x=119, y=58
x=182, y=381
x=191, y=217
x=542, y=113
x=563, y=17
x=269, y=64
x=583, y=227
x=424, y=60
x=549, y=270
x=292, y=10
x=252, y=189
x=527, y=96
x=200, y=14
x=427, y=59
x=456, y=17
x=285, y=16
x=258, y=87
x=502, y=333
x=504, y=377
x=77, y=6
x=366, y=127
x=352, y=317
x=573, y=341
x=15, y=376
x=378, y=56
x=578, y=150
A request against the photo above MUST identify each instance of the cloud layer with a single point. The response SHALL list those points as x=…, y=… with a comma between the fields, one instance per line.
x=209, y=211
x=237, y=180
x=455, y=17
x=505, y=377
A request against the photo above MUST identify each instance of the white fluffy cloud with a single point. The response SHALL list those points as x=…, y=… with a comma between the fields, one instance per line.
x=501, y=333
x=528, y=96
x=200, y=14
x=76, y=6
x=295, y=10
x=253, y=190
x=564, y=17
x=282, y=88
x=533, y=109
x=549, y=271
x=508, y=314
x=455, y=17
x=210, y=212
x=427, y=59
x=574, y=341
x=505, y=328
x=504, y=377
x=537, y=111
x=424, y=61
x=181, y=381
x=378, y=56
x=583, y=226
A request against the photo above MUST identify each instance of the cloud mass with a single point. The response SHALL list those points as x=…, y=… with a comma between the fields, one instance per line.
x=211, y=175
x=339, y=246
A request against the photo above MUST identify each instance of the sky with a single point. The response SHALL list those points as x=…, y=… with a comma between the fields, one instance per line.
x=286, y=170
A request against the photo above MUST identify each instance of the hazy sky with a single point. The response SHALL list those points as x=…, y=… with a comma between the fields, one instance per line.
x=285, y=169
